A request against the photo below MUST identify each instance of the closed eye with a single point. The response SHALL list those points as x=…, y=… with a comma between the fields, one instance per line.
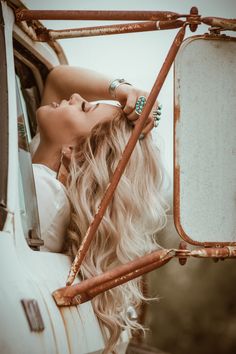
x=95, y=106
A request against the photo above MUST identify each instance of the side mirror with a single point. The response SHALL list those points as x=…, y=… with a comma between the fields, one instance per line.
x=205, y=140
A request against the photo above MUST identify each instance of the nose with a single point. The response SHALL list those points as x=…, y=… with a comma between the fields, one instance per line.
x=75, y=98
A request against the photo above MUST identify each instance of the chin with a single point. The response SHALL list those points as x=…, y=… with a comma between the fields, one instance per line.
x=42, y=117
x=42, y=112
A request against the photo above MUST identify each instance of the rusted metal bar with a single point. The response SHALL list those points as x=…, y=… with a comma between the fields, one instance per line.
x=28, y=15
x=121, y=280
x=125, y=156
x=100, y=283
x=45, y=35
x=88, y=289
x=226, y=24
x=215, y=252
x=28, y=30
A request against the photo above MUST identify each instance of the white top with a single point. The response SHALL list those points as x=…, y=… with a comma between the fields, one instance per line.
x=53, y=206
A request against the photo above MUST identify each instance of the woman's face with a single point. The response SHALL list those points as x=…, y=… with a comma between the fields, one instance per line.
x=63, y=123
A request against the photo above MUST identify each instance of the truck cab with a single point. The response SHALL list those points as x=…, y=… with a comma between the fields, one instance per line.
x=31, y=322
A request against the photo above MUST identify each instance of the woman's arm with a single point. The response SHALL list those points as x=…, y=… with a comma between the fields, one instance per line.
x=65, y=80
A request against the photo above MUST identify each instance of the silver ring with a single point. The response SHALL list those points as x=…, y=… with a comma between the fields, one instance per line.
x=156, y=113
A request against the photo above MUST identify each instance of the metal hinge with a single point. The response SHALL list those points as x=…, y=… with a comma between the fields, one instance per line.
x=34, y=240
x=33, y=315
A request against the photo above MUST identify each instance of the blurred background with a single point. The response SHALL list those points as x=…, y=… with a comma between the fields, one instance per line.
x=196, y=311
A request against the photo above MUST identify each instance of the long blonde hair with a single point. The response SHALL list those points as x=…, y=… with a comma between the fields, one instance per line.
x=137, y=212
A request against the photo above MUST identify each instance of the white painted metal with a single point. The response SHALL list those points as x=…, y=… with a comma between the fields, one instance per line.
x=13, y=137
x=26, y=274
x=205, y=141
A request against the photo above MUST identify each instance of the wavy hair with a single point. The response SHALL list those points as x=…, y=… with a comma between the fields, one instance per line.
x=127, y=231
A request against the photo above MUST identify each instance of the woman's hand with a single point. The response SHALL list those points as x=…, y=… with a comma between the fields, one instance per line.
x=127, y=96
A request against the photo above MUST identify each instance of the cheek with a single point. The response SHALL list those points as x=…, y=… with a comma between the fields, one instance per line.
x=81, y=125
x=63, y=125
x=52, y=125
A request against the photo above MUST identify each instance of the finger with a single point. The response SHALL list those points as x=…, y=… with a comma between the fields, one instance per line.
x=148, y=122
x=130, y=104
x=148, y=127
x=133, y=116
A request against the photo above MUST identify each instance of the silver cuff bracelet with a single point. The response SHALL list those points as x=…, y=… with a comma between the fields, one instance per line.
x=114, y=84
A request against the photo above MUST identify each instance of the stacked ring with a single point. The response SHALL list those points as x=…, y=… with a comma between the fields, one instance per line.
x=157, y=115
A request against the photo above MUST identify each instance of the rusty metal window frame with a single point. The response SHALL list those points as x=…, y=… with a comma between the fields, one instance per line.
x=76, y=294
x=154, y=20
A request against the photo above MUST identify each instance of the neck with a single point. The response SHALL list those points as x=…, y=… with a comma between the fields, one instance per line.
x=48, y=155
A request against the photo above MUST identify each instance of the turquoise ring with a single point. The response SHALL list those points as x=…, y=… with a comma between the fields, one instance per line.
x=141, y=101
x=156, y=113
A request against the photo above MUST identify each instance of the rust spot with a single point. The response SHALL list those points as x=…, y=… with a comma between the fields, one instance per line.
x=223, y=23
x=176, y=112
x=215, y=252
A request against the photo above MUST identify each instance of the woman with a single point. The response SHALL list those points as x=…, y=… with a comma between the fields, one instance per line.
x=94, y=135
